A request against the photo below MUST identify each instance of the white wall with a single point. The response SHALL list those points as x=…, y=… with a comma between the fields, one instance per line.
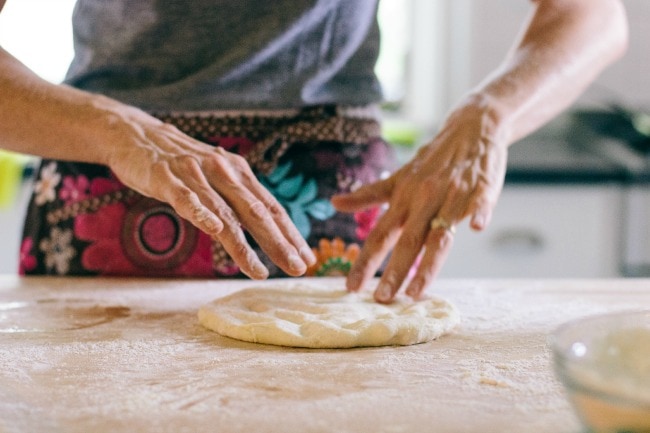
x=39, y=33
x=495, y=23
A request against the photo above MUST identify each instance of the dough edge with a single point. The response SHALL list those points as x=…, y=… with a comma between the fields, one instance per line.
x=220, y=316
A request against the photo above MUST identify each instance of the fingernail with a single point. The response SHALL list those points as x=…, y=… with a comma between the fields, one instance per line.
x=410, y=290
x=383, y=292
x=414, y=293
x=260, y=271
x=295, y=263
x=478, y=221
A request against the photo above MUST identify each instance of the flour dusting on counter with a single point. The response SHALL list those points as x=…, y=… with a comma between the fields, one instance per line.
x=156, y=369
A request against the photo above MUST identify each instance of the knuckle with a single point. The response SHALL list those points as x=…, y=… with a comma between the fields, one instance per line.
x=237, y=159
x=411, y=240
x=185, y=160
x=183, y=197
x=276, y=211
x=445, y=241
x=230, y=173
x=377, y=240
x=160, y=168
x=485, y=198
x=168, y=128
x=457, y=186
x=427, y=186
x=259, y=211
x=229, y=219
x=217, y=163
x=225, y=157
x=381, y=234
x=242, y=251
x=482, y=202
x=454, y=187
x=185, y=165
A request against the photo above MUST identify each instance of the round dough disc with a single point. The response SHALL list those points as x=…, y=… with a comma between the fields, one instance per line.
x=301, y=315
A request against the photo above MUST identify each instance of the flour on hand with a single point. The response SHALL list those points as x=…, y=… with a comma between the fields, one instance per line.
x=307, y=315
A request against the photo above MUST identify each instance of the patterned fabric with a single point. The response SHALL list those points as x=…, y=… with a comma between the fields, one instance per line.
x=83, y=221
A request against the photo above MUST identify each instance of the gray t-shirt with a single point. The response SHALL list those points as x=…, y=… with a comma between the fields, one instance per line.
x=227, y=54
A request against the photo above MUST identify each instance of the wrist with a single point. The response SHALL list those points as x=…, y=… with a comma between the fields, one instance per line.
x=108, y=128
x=493, y=116
x=99, y=127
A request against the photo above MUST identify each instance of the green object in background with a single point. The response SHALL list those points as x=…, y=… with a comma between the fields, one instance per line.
x=400, y=133
x=12, y=166
x=403, y=136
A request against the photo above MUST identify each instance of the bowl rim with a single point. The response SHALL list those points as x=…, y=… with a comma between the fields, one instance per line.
x=560, y=358
x=597, y=318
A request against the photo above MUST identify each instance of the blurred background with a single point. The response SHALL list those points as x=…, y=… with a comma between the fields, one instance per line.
x=577, y=197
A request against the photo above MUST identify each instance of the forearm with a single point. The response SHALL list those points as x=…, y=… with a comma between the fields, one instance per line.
x=50, y=120
x=564, y=47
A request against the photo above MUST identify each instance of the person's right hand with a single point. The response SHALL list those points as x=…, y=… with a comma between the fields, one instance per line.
x=213, y=189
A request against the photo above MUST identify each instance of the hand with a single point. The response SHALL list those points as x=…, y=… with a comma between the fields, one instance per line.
x=458, y=174
x=213, y=189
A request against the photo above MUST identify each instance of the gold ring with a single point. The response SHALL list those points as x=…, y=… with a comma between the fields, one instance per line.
x=439, y=222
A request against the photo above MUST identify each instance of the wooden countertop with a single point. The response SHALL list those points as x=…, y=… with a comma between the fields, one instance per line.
x=110, y=355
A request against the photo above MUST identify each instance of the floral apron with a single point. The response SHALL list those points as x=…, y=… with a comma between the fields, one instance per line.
x=82, y=221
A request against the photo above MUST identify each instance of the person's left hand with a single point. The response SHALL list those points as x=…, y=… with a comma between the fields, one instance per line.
x=458, y=174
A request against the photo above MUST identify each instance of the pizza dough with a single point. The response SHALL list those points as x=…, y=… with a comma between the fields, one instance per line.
x=302, y=315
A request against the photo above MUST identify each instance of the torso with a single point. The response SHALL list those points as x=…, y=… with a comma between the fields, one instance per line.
x=221, y=54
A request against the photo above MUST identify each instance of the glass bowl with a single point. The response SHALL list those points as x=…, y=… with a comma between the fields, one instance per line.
x=603, y=362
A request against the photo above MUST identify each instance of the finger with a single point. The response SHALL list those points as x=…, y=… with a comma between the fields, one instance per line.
x=188, y=205
x=404, y=255
x=482, y=204
x=481, y=211
x=229, y=177
x=379, y=242
x=184, y=199
x=194, y=200
x=437, y=247
x=367, y=195
x=258, y=221
x=234, y=242
x=440, y=235
x=282, y=221
x=489, y=183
